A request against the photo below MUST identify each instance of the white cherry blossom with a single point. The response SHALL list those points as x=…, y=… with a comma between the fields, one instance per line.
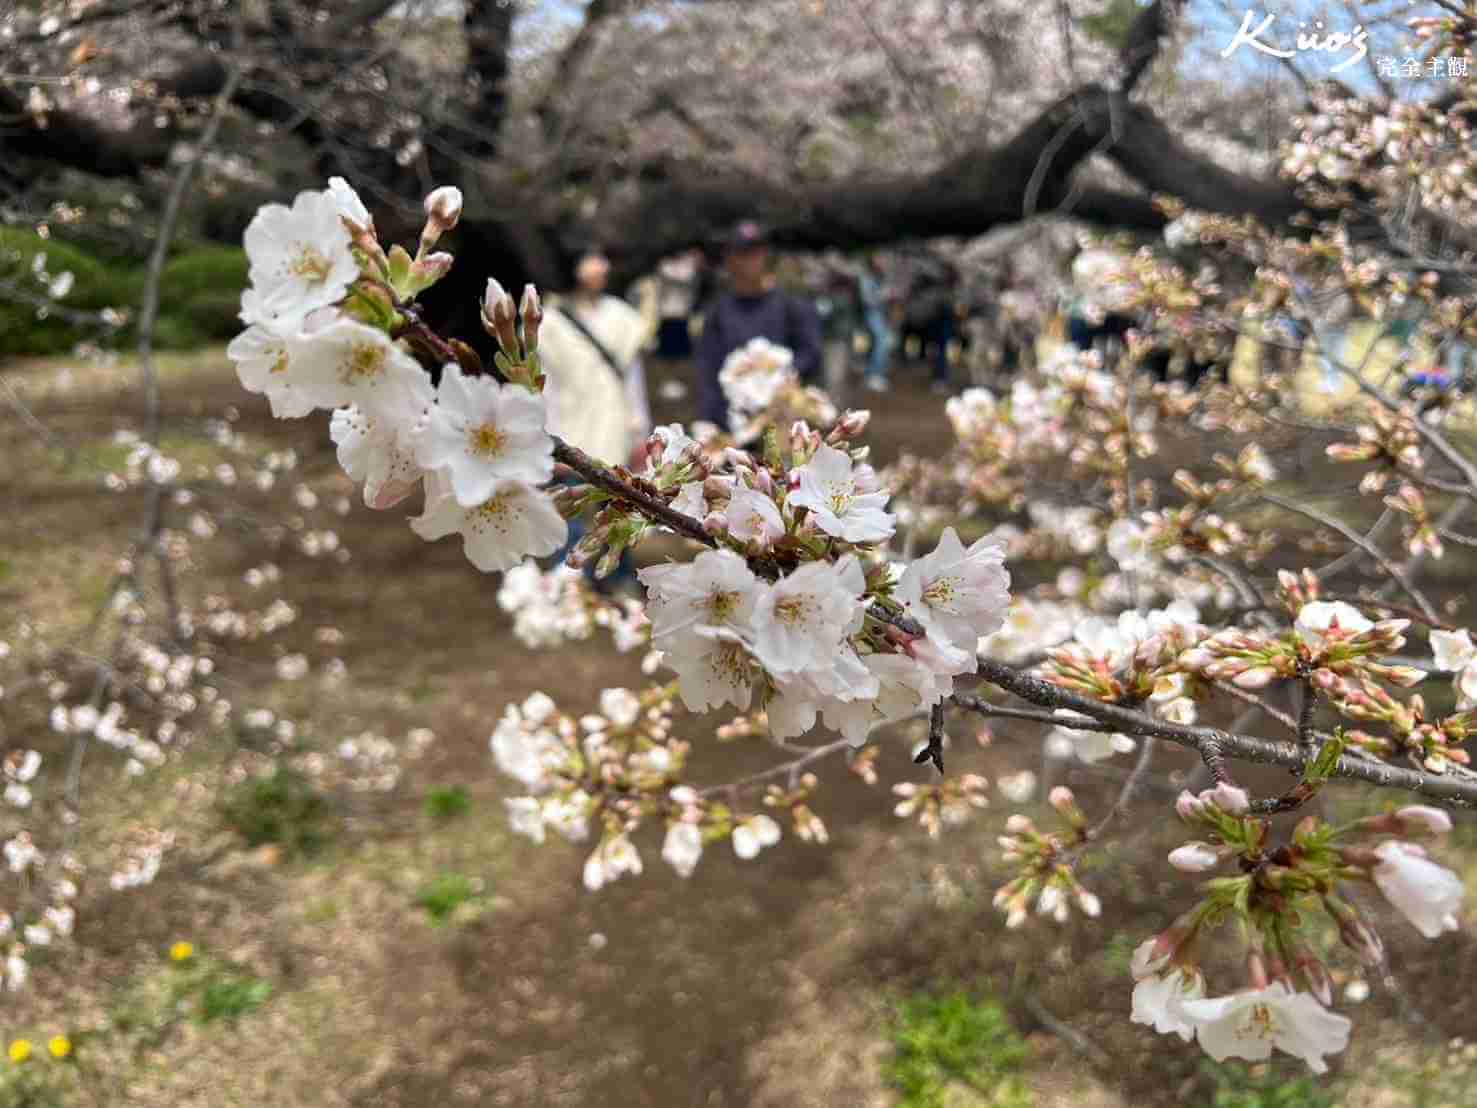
x=839, y=502
x=1428, y=895
x=683, y=847
x=716, y=590
x=373, y=450
x=751, y=375
x=525, y=751
x=960, y=594
x=483, y=434
x=754, y=517
x=260, y=355
x=843, y=687
x=568, y=814
x=800, y=620
x=1452, y=650
x=1128, y=545
x=904, y=686
x=1249, y=1024
x=299, y=259
x=516, y=522
x=526, y=816
x=713, y=668
x=347, y=362
x=676, y=445
x=753, y=835
x=611, y=860
x=690, y=500
x=350, y=208
x=1157, y=1001
x=1317, y=617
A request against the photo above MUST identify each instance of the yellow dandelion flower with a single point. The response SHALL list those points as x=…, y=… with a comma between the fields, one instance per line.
x=60, y=1046
x=20, y=1050
x=182, y=952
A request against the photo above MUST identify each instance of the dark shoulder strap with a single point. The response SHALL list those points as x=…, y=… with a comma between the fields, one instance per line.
x=792, y=320
x=604, y=351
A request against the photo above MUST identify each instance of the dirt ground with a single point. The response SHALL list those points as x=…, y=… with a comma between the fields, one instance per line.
x=766, y=983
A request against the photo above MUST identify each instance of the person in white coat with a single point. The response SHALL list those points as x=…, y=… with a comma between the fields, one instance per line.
x=590, y=346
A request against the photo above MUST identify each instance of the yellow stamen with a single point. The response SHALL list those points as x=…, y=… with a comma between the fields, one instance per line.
x=311, y=265
x=486, y=441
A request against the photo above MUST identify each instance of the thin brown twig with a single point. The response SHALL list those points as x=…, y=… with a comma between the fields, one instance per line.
x=1359, y=540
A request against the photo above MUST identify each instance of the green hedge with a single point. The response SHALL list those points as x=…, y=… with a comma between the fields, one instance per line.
x=203, y=287
x=200, y=294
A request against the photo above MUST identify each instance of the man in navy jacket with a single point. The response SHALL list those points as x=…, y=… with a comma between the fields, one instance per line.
x=751, y=307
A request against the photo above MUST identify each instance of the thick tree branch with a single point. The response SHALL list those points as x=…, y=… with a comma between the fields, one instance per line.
x=1452, y=789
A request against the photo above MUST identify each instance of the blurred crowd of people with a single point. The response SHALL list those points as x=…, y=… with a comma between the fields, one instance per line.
x=850, y=323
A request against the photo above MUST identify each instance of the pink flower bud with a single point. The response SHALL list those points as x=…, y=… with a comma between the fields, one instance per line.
x=428, y=270
x=1315, y=973
x=1422, y=817
x=497, y=317
x=1258, y=677
x=1406, y=677
x=1061, y=799
x=1018, y=824
x=533, y=314
x=1049, y=900
x=444, y=206
x=1089, y=903
x=1228, y=798
x=1194, y=857
x=1189, y=807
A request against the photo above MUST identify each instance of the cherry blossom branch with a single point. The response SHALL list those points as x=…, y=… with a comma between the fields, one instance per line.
x=1307, y=740
x=1360, y=541
x=1452, y=789
x=1350, y=558
x=606, y=479
x=815, y=754
x=1130, y=786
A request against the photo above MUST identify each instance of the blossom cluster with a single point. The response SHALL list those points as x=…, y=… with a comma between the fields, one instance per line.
x=328, y=311
x=763, y=390
x=1046, y=876
x=613, y=770
x=1285, y=1004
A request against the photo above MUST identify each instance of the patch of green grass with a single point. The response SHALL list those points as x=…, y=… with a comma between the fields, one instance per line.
x=445, y=802
x=90, y=460
x=324, y=910
x=229, y=995
x=444, y=894
x=283, y=808
x=942, y=1043
x=422, y=691
x=1266, y=1086
x=1117, y=953
x=39, y=1082
x=201, y=988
